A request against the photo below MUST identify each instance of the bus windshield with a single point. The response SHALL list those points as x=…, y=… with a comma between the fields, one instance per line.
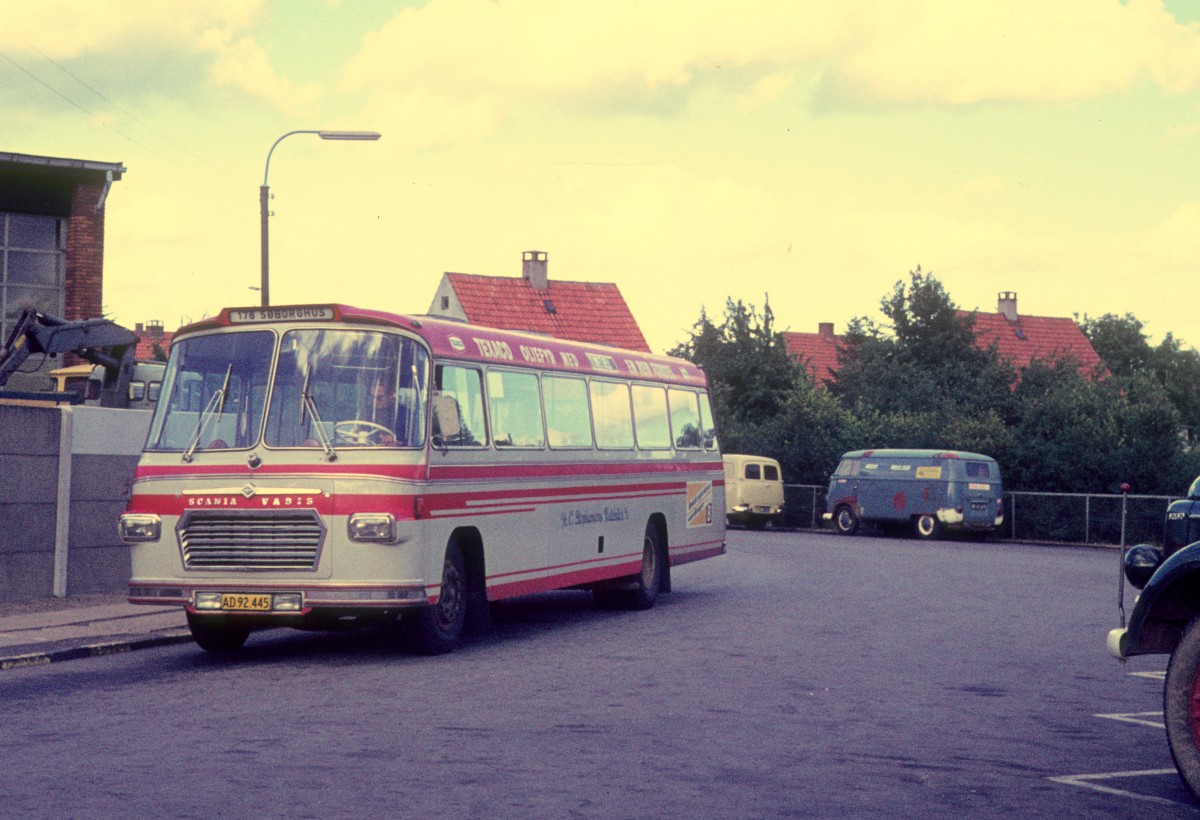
x=331, y=389
x=215, y=389
x=348, y=388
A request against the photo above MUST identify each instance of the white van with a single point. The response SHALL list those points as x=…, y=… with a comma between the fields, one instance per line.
x=753, y=490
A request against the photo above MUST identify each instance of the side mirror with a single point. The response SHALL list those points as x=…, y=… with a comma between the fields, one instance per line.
x=1140, y=563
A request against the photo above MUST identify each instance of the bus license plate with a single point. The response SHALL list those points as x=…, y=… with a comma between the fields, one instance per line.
x=246, y=603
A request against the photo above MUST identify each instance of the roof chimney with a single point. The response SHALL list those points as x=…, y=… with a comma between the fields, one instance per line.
x=533, y=268
x=1006, y=305
x=825, y=330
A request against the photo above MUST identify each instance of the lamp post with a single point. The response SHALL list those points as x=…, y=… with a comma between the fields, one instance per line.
x=264, y=195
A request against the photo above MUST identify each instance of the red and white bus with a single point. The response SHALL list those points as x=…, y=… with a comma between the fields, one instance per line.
x=322, y=466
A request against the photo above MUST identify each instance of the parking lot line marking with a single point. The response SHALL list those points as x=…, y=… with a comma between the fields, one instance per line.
x=1161, y=675
x=1087, y=781
x=1138, y=717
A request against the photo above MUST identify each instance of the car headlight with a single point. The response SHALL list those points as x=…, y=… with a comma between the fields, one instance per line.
x=138, y=527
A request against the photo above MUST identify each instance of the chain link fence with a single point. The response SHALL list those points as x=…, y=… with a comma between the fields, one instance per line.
x=1069, y=518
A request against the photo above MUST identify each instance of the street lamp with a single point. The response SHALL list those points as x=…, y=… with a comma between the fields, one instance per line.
x=264, y=195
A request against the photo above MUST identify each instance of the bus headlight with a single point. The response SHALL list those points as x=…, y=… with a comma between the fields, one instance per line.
x=138, y=527
x=378, y=528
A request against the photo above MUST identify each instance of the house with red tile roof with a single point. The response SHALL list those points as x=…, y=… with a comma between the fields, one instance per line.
x=580, y=311
x=818, y=352
x=151, y=335
x=1022, y=339
x=1019, y=339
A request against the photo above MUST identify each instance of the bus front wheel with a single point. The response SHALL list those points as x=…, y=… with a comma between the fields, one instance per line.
x=927, y=527
x=1181, y=707
x=437, y=629
x=214, y=633
x=845, y=521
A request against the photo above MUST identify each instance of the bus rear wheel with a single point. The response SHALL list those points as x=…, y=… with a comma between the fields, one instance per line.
x=927, y=527
x=643, y=590
x=437, y=629
x=215, y=633
x=1181, y=707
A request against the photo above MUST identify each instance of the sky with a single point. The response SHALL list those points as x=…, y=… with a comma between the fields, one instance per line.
x=804, y=152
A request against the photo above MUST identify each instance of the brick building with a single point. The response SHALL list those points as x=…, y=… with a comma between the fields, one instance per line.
x=51, y=241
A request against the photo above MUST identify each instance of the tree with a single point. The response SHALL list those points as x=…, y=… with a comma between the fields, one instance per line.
x=1120, y=343
x=1128, y=356
x=750, y=374
x=927, y=365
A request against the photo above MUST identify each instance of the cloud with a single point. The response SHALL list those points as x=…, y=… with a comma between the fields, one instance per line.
x=453, y=54
x=241, y=63
x=1027, y=50
x=66, y=29
x=155, y=49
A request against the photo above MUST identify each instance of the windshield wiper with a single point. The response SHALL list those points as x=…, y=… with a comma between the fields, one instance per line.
x=309, y=404
x=217, y=404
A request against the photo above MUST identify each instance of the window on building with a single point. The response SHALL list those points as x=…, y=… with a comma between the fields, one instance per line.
x=32, y=262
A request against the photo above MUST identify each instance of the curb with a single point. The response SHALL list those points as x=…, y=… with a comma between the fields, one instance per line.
x=91, y=650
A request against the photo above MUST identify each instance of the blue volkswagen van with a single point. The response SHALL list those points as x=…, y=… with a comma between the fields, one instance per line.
x=928, y=490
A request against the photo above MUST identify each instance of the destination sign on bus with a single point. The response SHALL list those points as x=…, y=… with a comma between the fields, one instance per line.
x=246, y=316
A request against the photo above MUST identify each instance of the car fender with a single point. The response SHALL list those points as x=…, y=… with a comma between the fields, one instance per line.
x=1165, y=607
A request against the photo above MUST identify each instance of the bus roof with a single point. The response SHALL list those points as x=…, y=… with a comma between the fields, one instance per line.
x=449, y=339
x=915, y=454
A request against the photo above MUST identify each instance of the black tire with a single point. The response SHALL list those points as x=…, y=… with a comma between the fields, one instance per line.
x=216, y=633
x=643, y=589
x=845, y=521
x=1181, y=707
x=437, y=629
x=927, y=527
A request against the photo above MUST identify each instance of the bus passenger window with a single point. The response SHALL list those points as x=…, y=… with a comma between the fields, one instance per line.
x=685, y=418
x=650, y=417
x=458, y=408
x=515, y=408
x=567, y=421
x=611, y=414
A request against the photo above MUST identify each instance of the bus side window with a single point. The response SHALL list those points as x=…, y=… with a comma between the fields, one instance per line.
x=568, y=423
x=611, y=414
x=650, y=423
x=685, y=418
x=458, y=408
x=516, y=409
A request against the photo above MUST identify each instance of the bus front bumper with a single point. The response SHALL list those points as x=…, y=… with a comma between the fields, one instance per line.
x=267, y=599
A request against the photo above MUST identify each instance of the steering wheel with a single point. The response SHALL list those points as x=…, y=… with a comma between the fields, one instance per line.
x=362, y=433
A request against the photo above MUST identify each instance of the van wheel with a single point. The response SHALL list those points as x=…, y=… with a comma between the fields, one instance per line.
x=1181, y=707
x=436, y=630
x=845, y=521
x=927, y=527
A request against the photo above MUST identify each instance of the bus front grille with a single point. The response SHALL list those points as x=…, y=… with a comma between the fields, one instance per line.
x=288, y=540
